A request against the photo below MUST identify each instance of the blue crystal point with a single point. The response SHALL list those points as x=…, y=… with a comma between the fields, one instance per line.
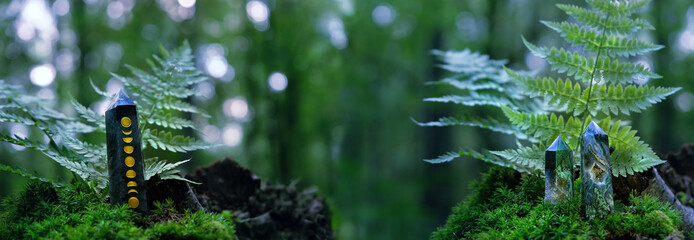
x=558, y=145
x=594, y=129
x=120, y=99
x=596, y=173
x=558, y=172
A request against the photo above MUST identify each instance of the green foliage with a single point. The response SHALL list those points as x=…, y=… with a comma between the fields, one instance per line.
x=161, y=99
x=40, y=211
x=505, y=205
x=597, y=86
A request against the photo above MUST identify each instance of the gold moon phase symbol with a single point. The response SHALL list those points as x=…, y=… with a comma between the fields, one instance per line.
x=132, y=184
x=127, y=139
x=129, y=161
x=132, y=190
x=125, y=122
x=133, y=202
x=128, y=132
x=130, y=174
x=128, y=149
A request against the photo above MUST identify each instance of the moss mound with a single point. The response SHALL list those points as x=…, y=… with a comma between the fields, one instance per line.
x=508, y=205
x=40, y=211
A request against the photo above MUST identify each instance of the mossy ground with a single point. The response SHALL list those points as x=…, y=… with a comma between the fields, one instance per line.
x=508, y=205
x=40, y=211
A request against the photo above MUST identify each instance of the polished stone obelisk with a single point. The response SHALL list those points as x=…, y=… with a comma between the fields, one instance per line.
x=596, y=173
x=558, y=172
x=125, y=163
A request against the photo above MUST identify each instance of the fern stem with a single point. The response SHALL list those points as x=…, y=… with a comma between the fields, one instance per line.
x=592, y=79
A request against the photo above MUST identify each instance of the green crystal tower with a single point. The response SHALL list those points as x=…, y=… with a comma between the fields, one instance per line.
x=596, y=173
x=123, y=147
x=558, y=172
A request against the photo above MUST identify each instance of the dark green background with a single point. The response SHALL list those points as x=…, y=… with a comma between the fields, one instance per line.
x=343, y=124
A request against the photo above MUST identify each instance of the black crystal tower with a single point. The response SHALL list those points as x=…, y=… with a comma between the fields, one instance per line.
x=558, y=172
x=124, y=148
x=596, y=173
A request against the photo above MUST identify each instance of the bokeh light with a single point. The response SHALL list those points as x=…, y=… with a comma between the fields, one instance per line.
x=42, y=75
x=237, y=108
x=277, y=82
x=258, y=12
x=232, y=134
x=186, y=3
x=383, y=14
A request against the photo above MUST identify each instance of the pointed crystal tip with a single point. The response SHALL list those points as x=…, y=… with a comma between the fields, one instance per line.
x=594, y=129
x=120, y=99
x=558, y=145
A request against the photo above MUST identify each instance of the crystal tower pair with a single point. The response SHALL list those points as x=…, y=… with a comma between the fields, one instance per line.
x=596, y=173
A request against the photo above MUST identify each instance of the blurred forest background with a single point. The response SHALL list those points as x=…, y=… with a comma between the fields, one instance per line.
x=323, y=91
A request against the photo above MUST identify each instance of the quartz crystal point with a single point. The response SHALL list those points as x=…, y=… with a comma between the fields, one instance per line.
x=558, y=172
x=126, y=180
x=596, y=173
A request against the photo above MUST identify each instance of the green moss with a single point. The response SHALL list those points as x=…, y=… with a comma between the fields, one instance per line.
x=75, y=212
x=505, y=205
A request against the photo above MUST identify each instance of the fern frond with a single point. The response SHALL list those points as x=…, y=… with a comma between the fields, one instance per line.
x=486, y=157
x=613, y=25
x=169, y=121
x=80, y=168
x=467, y=61
x=617, y=8
x=560, y=95
x=165, y=140
x=475, y=99
x=89, y=115
x=531, y=157
x=573, y=64
x=75, y=127
x=11, y=117
x=591, y=41
x=542, y=126
x=473, y=121
x=470, y=84
x=96, y=154
x=619, y=99
x=98, y=90
x=24, y=173
x=154, y=166
x=630, y=153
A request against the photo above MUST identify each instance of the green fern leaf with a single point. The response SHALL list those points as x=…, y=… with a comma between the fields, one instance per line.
x=98, y=90
x=89, y=115
x=475, y=99
x=486, y=157
x=613, y=25
x=541, y=126
x=24, y=173
x=617, y=8
x=560, y=95
x=630, y=153
x=79, y=168
x=591, y=41
x=573, y=64
x=472, y=84
x=75, y=127
x=169, y=121
x=486, y=123
x=531, y=158
x=467, y=61
x=96, y=154
x=11, y=117
x=618, y=99
x=165, y=140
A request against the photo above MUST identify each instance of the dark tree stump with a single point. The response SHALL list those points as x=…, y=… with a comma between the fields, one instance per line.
x=224, y=185
x=178, y=191
x=262, y=211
